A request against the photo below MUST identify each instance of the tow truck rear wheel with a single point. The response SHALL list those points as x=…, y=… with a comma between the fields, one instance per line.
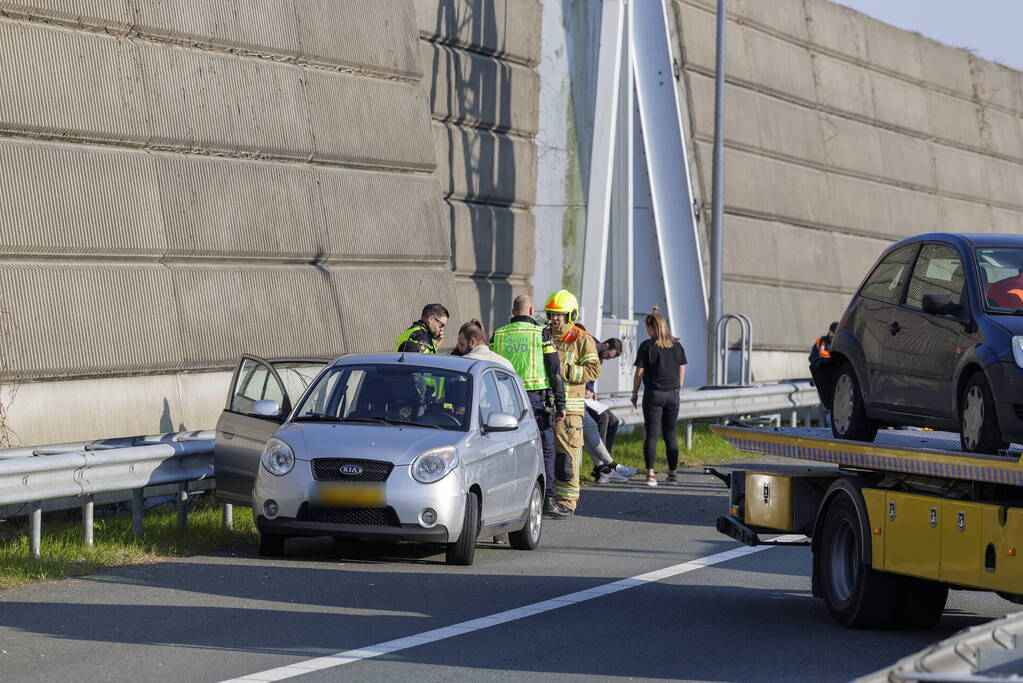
x=855, y=594
x=922, y=603
x=848, y=415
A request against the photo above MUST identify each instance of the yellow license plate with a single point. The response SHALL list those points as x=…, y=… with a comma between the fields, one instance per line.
x=349, y=495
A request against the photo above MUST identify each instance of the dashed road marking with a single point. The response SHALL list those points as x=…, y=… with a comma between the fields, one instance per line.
x=390, y=646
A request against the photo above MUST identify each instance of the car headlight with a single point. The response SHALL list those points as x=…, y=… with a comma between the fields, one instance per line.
x=278, y=458
x=1017, y=351
x=434, y=464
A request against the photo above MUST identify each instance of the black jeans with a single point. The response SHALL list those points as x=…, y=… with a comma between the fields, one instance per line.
x=660, y=414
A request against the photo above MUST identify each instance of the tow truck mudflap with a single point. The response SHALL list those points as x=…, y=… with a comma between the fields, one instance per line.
x=730, y=526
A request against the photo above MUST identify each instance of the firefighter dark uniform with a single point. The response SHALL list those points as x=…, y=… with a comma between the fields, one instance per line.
x=416, y=339
x=529, y=347
x=580, y=364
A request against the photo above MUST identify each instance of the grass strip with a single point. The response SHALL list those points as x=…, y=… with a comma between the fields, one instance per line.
x=708, y=449
x=64, y=553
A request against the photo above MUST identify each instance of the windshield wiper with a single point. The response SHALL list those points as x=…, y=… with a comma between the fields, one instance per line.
x=410, y=423
x=316, y=417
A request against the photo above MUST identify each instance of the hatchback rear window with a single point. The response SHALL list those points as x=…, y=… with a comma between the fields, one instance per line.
x=885, y=283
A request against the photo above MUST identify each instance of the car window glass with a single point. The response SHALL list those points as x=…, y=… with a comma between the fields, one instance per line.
x=297, y=375
x=490, y=398
x=885, y=283
x=1001, y=276
x=938, y=270
x=510, y=402
x=378, y=393
x=255, y=383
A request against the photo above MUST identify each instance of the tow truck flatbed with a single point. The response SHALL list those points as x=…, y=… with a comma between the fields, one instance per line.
x=908, y=451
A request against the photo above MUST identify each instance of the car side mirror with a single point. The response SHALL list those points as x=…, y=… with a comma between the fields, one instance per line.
x=500, y=422
x=265, y=408
x=941, y=304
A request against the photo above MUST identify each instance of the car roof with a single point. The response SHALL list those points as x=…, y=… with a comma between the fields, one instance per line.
x=966, y=239
x=430, y=360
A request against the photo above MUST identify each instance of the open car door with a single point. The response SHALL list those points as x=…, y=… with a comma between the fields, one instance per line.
x=244, y=427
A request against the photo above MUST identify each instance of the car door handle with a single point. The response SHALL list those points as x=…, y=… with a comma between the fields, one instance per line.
x=894, y=328
x=227, y=435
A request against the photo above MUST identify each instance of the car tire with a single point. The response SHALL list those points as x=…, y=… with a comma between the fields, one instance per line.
x=463, y=551
x=271, y=545
x=528, y=537
x=978, y=422
x=848, y=415
x=856, y=595
x=921, y=605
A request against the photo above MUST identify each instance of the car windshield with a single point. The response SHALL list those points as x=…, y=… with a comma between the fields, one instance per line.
x=1001, y=278
x=400, y=394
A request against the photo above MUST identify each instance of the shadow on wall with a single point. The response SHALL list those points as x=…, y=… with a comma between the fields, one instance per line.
x=479, y=102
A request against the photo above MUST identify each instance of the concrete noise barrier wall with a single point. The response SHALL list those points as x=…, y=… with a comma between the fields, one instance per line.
x=186, y=181
x=843, y=134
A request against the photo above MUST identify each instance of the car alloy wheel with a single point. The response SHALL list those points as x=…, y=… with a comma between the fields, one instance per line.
x=842, y=405
x=528, y=537
x=973, y=417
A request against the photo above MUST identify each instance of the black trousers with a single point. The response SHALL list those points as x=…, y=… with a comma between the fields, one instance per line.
x=660, y=415
x=543, y=419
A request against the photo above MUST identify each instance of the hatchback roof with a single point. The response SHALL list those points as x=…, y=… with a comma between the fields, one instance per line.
x=966, y=239
x=430, y=360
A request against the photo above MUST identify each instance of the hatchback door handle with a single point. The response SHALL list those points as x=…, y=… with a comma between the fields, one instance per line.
x=226, y=434
x=894, y=328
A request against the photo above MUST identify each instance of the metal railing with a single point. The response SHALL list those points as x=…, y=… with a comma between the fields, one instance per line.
x=63, y=471
x=721, y=349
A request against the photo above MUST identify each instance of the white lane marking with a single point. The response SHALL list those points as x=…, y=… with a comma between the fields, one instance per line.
x=349, y=656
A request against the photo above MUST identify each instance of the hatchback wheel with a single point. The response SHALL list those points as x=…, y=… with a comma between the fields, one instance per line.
x=528, y=537
x=848, y=416
x=977, y=419
x=271, y=545
x=463, y=551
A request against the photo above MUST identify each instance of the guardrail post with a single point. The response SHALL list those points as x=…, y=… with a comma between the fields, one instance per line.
x=228, y=516
x=795, y=419
x=87, y=509
x=35, y=537
x=183, y=506
x=689, y=435
x=136, y=512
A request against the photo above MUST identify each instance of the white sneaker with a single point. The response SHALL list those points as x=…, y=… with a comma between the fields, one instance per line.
x=625, y=470
x=613, y=477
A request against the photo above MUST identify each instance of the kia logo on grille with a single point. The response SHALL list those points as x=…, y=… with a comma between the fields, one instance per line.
x=351, y=470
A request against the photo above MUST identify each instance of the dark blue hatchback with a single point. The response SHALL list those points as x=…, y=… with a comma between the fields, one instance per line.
x=933, y=338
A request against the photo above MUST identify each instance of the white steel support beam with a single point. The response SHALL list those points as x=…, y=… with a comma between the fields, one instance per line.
x=605, y=129
x=670, y=187
x=620, y=285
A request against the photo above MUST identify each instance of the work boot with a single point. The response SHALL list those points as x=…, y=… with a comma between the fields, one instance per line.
x=555, y=510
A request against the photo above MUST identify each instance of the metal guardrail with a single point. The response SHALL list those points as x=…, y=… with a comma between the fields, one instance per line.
x=82, y=473
x=696, y=404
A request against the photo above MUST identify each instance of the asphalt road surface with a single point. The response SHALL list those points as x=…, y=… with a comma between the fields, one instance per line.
x=746, y=615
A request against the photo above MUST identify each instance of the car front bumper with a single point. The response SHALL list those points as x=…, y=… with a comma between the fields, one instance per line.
x=289, y=526
x=407, y=497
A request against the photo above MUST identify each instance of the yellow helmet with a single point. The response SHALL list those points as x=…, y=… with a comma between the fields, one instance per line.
x=563, y=301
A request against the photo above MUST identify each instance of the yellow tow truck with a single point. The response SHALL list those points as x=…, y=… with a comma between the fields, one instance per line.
x=892, y=524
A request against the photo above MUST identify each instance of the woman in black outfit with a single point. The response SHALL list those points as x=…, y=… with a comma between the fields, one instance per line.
x=661, y=367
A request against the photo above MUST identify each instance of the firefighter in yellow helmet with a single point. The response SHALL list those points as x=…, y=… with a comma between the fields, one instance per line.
x=580, y=364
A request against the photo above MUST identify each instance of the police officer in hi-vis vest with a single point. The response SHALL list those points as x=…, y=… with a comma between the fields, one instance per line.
x=580, y=364
x=420, y=335
x=528, y=346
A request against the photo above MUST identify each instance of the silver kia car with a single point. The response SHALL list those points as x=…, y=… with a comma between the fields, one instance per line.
x=402, y=447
